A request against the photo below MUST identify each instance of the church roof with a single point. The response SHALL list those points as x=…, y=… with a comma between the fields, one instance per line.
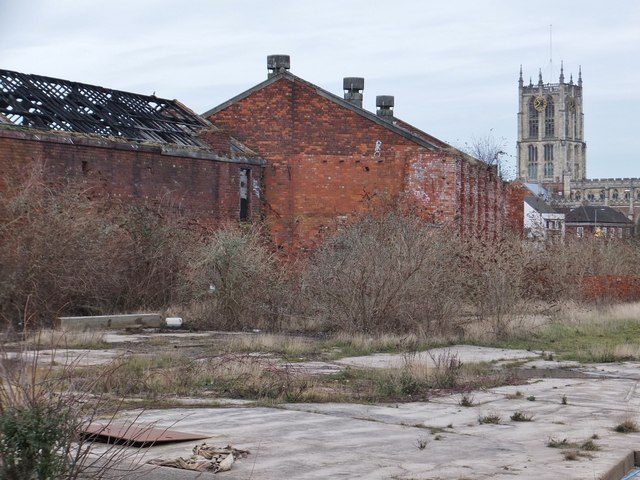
x=60, y=105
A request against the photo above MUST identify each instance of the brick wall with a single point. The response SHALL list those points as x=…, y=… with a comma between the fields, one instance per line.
x=323, y=168
x=612, y=287
x=188, y=181
x=515, y=194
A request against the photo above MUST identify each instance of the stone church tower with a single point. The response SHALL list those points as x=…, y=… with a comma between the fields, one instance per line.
x=551, y=149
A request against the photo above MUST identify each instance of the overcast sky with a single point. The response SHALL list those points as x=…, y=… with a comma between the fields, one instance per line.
x=452, y=66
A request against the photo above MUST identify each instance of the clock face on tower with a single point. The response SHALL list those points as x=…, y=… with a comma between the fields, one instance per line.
x=540, y=103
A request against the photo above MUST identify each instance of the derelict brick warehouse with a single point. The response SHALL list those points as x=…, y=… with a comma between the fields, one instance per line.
x=328, y=159
x=132, y=148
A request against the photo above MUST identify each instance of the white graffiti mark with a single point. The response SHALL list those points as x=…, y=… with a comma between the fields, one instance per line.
x=378, y=148
x=256, y=188
x=420, y=172
x=422, y=196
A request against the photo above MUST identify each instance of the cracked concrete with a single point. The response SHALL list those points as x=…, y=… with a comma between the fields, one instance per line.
x=340, y=440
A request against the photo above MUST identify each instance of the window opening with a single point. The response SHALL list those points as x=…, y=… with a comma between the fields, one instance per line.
x=244, y=193
x=548, y=160
x=533, y=119
x=549, y=120
x=533, y=161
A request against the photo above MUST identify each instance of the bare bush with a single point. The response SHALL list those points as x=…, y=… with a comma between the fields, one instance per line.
x=388, y=274
x=235, y=281
x=51, y=258
x=68, y=250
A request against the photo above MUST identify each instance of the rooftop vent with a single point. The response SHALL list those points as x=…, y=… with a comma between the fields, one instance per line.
x=384, y=105
x=353, y=87
x=277, y=64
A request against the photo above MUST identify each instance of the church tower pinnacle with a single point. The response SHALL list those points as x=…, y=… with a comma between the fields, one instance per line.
x=551, y=150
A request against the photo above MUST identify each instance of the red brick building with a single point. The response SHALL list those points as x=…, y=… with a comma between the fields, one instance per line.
x=329, y=160
x=133, y=148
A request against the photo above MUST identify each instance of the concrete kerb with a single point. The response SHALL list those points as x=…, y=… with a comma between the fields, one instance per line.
x=97, y=322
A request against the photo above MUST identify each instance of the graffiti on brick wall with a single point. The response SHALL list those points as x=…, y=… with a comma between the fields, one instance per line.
x=378, y=148
x=257, y=191
x=417, y=179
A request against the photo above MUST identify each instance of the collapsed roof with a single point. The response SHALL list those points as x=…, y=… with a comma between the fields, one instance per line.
x=48, y=103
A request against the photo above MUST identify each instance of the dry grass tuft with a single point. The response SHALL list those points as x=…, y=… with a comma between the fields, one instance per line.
x=65, y=339
x=627, y=426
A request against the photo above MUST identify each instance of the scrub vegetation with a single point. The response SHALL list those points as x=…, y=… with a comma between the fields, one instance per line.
x=387, y=283
x=69, y=250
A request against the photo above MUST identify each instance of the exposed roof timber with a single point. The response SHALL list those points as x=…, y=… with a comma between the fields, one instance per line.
x=54, y=104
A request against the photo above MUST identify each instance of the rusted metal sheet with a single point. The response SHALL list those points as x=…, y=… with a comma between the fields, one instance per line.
x=135, y=435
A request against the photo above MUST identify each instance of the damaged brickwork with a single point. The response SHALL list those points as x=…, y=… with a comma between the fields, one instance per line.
x=329, y=161
x=200, y=185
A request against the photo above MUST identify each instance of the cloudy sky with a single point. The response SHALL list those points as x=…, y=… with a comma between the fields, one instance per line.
x=452, y=66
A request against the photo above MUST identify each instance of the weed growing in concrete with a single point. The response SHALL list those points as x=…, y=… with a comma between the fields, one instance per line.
x=466, y=401
x=531, y=398
x=627, y=426
x=519, y=416
x=421, y=443
x=564, y=443
x=447, y=371
x=574, y=450
x=491, y=418
x=590, y=446
x=564, y=400
x=514, y=396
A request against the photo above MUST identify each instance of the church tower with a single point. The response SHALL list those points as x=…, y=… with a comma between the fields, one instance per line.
x=551, y=149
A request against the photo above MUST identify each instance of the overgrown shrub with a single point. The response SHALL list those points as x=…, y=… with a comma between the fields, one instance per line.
x=43, y=412
x=235, y=281
x=389, y=274
x=36, y=441
x=70, y=251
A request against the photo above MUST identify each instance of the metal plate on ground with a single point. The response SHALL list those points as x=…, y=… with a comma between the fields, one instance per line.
x=136, y=435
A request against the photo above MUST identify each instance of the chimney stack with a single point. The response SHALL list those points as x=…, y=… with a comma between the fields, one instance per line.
x=277, y=64
x=384, y=104
x=353, y=87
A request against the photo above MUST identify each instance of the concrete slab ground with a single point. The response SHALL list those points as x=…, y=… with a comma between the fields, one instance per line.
x=69, y=357
x=464, y=353
x=320, y=441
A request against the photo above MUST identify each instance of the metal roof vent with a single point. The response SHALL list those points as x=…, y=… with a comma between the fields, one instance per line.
x=353, y=87
x=277, y=64
x=384, y=104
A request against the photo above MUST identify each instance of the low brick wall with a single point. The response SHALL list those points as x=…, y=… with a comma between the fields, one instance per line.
x=612, y=287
